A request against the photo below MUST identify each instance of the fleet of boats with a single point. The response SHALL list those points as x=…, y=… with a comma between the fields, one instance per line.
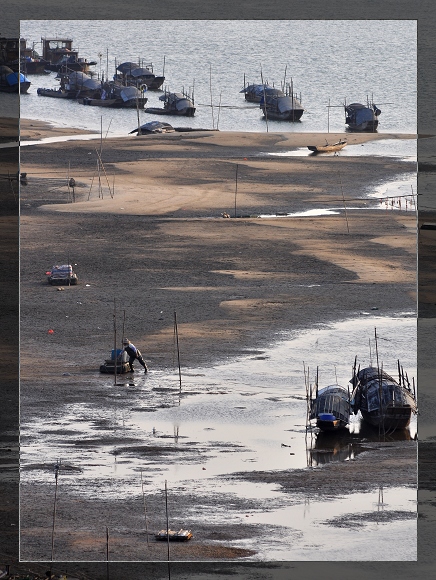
x=59, y=55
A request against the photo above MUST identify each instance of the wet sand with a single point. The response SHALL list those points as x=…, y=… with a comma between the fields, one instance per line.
x=153, y=238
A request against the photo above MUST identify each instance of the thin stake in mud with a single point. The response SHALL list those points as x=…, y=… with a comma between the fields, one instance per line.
x=264, y=99
x=145, y=509
x=115, y=344
x=107, y=553
x=343, y=199
x=211, y=99
x=57, y=467
x=176, y=334
x=236, y=184
x=168, y=530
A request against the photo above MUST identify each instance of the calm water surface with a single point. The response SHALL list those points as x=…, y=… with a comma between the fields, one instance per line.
x=212, y=58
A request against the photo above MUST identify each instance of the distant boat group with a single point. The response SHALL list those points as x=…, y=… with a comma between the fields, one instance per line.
x=132, y=79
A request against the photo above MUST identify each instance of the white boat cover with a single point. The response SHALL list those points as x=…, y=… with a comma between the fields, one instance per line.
x=130, y=93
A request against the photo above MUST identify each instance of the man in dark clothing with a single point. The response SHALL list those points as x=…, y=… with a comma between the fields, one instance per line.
x=134, y=354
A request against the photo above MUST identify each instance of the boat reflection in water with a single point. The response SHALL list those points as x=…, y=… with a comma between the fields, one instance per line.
x=328, y=446
x=324, y=447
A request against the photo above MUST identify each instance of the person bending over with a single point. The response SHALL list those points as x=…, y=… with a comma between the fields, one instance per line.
x=134, y=354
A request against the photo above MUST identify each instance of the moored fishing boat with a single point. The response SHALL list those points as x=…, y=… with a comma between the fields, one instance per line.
x=56, y=93
x=328, y=147
x=80, y=83
x=13, y=82
x=254, y=93
x=281, y=106
x=60, y=55
x=31, y=62
x=360, y=117
x=130, y=73
x=118, y=97
x=180, y=104
x=330, y=408
x=382, y=401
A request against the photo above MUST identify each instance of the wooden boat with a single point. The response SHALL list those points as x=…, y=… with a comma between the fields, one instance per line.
x=328, y=147
x=281, y=106
x=9, y=51
x=13, y=82
x=122, y=363
x=173, y=536
x=331, y=408
x=56, y=93
x=153, y=127
x=180, y=104
x=131, y=73
x=254, y=93
x=118, y=97
x=60, y=55
x=62, y=275
x=31, y=63
x=360, y=117
x=382, y=401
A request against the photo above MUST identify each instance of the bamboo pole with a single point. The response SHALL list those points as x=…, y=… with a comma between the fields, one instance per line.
x=211, y=100
x=343, y=199
x=168, y=530
x=107, y=553
x=236, y=185
x=145, y=509
x=104, y=170
x=115, y=344
x=264, y=99
x=178, y=349
x=57, y=467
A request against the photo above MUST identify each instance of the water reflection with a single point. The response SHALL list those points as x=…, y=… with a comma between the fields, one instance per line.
x=324, y=447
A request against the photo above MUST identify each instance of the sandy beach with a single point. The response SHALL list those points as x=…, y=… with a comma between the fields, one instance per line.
x=148, y=232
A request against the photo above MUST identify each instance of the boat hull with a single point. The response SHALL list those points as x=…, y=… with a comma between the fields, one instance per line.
x=327, y=148
x=392, y=419
x=108, y=367
x=114, y=103
x=368, y=126
x=291, y=115
x=331, y=425
x=16, y=88
x=188, y=112
x=34, y=67
x=56, y=94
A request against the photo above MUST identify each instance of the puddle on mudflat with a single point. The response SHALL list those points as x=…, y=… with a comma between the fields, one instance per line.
x=326, y=523
x=247, y=414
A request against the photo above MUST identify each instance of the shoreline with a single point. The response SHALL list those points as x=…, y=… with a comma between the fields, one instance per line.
x=35, y=129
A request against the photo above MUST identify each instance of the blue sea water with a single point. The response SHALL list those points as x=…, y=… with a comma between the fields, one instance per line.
x=330, y=63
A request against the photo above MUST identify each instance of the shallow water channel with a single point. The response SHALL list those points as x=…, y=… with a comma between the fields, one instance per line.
x=243, y=415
